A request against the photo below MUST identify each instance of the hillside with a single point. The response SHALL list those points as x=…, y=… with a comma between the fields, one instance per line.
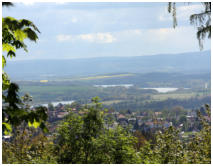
x=196, y=62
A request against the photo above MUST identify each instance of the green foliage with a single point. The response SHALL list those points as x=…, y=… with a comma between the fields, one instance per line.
x=75, y=135
x=85, y=139
x=25, y=148
x=15, y=111
x=169, y=149
x=7, y=128
x=69, y=141
x=122, y=147
x=199, y=148
x=14, y=32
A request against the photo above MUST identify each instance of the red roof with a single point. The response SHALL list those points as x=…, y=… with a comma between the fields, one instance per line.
x=121, y=116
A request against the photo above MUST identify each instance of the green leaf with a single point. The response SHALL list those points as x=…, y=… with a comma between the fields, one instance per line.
x=7, y=128
x=7, y=47
x=43, y=127
x=35, y=124
x=5, y=80
x=20, y=35
x=3, y=62
x=30, y=34
x=11, y=54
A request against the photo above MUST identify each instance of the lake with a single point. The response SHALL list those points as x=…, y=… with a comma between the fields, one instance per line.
x=55, y=103
x=163, y=90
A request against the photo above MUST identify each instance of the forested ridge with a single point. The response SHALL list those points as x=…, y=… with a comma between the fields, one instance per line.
x=172, y=63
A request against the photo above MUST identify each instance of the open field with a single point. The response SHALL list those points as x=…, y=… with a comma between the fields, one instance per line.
x=56, y=89
x=87, y=78
x=160, y=97
x=109, y=102
x=106, y=76
x=82, y=90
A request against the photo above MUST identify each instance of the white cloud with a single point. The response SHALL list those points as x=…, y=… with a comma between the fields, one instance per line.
x=165, y=17
x=166, y=37
x=28, y=3
x=152, y=35
x=60, y=2
x=129, y=33
x=160, y=34
x=133, y=31
x=182, y=12
x=62, y=38
x=74, y=20
x=189, y=7
x=90, y=37
x=148, y=41
x=69, y=21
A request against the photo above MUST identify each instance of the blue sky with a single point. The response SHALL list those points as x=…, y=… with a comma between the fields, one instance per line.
x=84, y=30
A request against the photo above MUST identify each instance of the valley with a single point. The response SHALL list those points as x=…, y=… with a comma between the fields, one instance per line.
x=114, y=90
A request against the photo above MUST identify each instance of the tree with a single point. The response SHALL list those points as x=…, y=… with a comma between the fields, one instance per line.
x=14, y=112
x=199, y=148
x=169, y=148
x=76, y=134
x=50, y=107
x=141, y=140
x=26, y=148
x=69, y=141
x=85, y=139
x=202, y=20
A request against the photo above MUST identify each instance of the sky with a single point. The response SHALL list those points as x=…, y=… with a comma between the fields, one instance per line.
x=84, y=30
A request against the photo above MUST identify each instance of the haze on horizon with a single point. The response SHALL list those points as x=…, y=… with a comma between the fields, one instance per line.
x=85, y=30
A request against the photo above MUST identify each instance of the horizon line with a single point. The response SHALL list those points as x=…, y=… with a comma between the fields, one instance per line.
x=11, y=60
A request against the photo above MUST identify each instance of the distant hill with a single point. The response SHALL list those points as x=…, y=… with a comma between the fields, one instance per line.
x=193, y=62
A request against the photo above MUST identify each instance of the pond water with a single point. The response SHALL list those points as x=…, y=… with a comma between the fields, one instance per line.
x=163, y=90
x=55, y=103
x=122, y=85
